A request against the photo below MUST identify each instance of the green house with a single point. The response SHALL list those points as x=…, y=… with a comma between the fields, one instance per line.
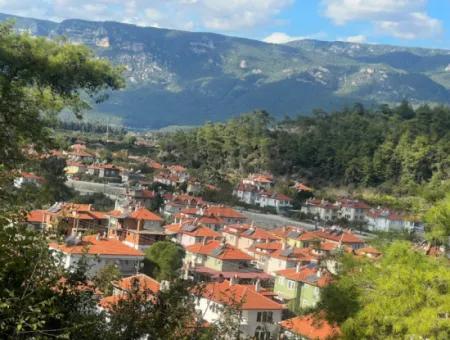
x=300, y=287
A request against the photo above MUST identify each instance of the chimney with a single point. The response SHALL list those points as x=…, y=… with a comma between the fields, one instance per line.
x=233, y=280
x=283, y=245
x=298, y=267
x=258, y=285
x=319, y=272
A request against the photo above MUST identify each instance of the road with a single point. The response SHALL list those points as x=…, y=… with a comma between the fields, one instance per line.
x=271, y=221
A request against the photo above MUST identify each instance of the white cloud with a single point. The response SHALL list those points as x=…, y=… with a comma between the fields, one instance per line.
x=219, y=15
x=281, y=38
x=360, y=38
x=405, y=19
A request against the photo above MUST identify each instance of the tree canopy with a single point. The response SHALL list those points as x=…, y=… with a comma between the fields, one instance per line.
x=38, y=79
x=404, y=295
x=163, y=260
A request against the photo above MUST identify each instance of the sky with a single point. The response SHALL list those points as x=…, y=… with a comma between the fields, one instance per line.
x=423, y=23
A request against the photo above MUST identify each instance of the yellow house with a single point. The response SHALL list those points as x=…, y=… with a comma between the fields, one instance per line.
x=74, y=168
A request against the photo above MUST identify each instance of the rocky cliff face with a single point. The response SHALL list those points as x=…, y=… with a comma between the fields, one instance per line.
x=187, y=78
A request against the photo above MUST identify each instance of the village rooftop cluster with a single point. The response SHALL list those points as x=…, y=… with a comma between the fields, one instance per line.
x=271, y=270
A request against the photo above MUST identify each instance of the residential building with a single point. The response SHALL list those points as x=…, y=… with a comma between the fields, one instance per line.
x=189, y=232
x=259, y=315
x=224, y=215
x=353, y=210
x=387, y=220
x=36, y=220
x=99, y=252
x=289, y=257
x=122, y=289
x=309, y=327
x=321, y=209
x=75, y=168
x=103, y=170
x=28, y=178
x=74, y=218
x=300, y=286
x=244, y=236
x=214, y=260
x=139, y=228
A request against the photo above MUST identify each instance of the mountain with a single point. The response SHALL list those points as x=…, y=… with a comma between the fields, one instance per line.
x=187, y=78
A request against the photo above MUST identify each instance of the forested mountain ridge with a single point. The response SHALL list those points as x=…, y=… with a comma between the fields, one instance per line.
x=398, y=150
x=186, y=78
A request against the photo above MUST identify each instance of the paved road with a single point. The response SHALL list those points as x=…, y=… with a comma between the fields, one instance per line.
x=271, y=221
x=110, y=190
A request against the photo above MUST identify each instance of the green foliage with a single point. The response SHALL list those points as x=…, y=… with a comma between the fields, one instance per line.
x=242, y=145
x=99, y=200
x=168, y=314
x=103, y=279
x=398, y=150
x=403, y=295
x=163, y=260
x=437, y=221
x=40, y=78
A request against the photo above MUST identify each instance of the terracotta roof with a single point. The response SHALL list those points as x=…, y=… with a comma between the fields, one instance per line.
x=92, y=246
x=336, y=235
x=283, y=232
x=224, y=212
x=310, y=327
x=368, y=250
x=256, y=233
x=308, y=275
x=210, y=220
x=308, y=236
x=302, y=187
x=219, y=250
x=297, y=254
x=109, y=301
x=145, y=214
x=116, y=213
x=202, y=231
x=266, y=246
x=30, y=175
x=36, y=216
x=143, y=281
x=235, y=294
x=354, y=204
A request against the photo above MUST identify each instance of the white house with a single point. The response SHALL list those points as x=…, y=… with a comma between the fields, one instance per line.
x=388, y=220
x=259, y=315
x=99, y=253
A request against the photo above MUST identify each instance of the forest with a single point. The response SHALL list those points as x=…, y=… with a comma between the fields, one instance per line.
x=397, y=150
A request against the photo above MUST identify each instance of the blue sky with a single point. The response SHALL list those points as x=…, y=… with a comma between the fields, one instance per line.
x=401, y=22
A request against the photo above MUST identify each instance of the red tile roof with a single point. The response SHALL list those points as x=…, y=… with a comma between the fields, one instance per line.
x=307, y=275
x=302, y=187
x=311, y=327
x=143, y=281
x=297, y=254
x=344, y=235
x=145, y=214
x=36, y=216
x=236, y=294
x=228, y=251
x=97, y=247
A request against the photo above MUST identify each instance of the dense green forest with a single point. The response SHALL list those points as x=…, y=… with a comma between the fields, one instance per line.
x=397, y=150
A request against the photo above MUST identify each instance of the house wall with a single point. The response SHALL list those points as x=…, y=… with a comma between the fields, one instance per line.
x=309, y=296
x=211, y=312
x=287, y=289
x=126, y=264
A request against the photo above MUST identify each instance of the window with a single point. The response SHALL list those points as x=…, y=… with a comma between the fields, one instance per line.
x=261, y=333
x=291, y=284
x=264, y=317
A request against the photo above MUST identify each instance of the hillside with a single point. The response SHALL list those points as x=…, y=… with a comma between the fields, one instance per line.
x=187, y=78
